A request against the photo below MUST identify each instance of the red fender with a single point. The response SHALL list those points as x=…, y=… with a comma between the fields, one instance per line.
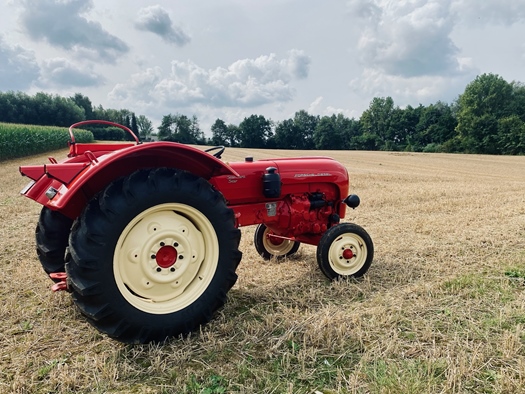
x=77, y=179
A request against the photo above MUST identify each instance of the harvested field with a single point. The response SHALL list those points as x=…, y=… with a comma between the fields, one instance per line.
x=442, y=309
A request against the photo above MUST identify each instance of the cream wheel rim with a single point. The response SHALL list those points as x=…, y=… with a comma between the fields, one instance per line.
x=347, y=254
x=281, y=248
x=165, y=258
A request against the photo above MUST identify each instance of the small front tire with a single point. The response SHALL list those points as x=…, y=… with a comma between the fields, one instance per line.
x=268, y=246
x=345, y=251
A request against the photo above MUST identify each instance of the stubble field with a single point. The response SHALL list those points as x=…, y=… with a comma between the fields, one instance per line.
x=442, y=309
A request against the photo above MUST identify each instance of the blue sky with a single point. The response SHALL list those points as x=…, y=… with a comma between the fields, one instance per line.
x=229, y=59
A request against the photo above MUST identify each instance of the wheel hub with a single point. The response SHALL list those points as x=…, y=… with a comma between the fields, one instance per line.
x=274, y=240
x=166, y=256
x=348, y=254
x=276, y=246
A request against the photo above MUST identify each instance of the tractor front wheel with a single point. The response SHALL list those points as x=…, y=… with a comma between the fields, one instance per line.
x=269, y=246
x=153, y=256
x=344, y=251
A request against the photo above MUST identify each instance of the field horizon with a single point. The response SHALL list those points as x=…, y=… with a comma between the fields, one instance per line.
x=441, y=310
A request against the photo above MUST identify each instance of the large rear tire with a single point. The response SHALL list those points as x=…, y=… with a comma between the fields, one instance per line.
x=153, y=256
x=51, y=234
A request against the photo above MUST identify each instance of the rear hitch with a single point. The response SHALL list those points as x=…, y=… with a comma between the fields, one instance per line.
x=61, y=285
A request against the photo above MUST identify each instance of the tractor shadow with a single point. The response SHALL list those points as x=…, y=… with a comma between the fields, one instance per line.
x=297, y=283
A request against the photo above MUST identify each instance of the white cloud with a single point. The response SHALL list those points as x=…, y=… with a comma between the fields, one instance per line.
x=18, y=67
x=423, y=89
x=156, y=19
x=59, y=72
x=314, y=107
x=366, y=9
x=63, y=24
x=299, y=63
x=245, y=83
x=407, y=52
x=409, y=39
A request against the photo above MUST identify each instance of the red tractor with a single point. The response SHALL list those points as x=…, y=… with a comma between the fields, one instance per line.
x=146, y=236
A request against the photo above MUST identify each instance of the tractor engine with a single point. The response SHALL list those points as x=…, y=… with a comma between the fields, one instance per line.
x=300, y=214
x=297, y=199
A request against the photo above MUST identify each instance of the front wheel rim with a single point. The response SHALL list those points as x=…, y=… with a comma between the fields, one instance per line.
x=347, y=254
x=165, y=258
x=276, y=249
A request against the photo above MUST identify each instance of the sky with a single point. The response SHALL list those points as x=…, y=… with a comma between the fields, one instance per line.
x=230, y=59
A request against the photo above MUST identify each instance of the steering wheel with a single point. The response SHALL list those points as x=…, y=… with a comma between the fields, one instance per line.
x=220, y=150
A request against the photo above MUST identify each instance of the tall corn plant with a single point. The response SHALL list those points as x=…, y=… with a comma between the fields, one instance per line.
x=17, y=140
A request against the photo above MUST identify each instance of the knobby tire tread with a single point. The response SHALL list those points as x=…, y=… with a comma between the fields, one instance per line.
x=51, y=235
x=89, y=241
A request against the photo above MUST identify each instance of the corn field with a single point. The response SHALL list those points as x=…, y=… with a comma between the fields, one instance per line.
x=19, y=140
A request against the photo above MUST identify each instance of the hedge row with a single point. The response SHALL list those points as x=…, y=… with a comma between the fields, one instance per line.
x=105, y=133
x=18, y=140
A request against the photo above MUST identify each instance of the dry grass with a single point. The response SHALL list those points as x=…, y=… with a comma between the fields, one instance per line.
x=441, y=310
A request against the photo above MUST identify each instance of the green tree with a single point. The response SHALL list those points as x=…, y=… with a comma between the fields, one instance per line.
x=85, y=103
x=306, y=124
x=52, y=110
x=287, y=135
x=255, y=131
x=336, y=132
x=181, y=129
x=518, y=99
x=227, y=135
x=234, y=135
x=511, y=135
x=486, y=100
x=219, y=131
x=376, y=120
x=134, y=125
x=402, y=130
x=437, y=124
x=196, y=131
x=145, y=127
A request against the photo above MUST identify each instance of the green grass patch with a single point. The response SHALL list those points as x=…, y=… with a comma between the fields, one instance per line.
x=405, y=376
x=479, y=286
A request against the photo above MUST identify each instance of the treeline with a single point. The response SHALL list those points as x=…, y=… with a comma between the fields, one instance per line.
x=489, y=118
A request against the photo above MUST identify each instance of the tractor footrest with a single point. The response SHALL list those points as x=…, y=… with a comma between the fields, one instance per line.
x=61, y=285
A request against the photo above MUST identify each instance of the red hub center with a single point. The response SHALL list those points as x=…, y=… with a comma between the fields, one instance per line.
x=348, y=254
x=275, y=240
x=166, y=256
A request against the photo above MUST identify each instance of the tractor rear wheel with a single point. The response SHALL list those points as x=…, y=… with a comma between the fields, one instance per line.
x=268, y=246
x=345, y=251
x=51, y=234
x=153, y=256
